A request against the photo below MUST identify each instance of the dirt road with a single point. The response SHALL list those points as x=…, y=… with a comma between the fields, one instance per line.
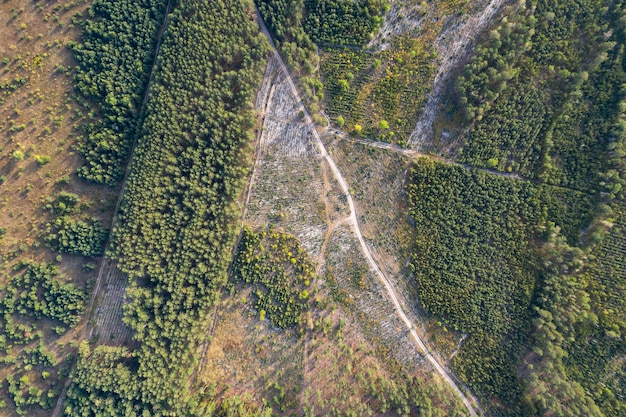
x=105, y=263
x=353, y=221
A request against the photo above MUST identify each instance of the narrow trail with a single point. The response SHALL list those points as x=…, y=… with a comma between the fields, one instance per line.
x=413, y=153
x=104, y=264
x=331, y=228
x=126, y=175
x=246, y=201
x=331, y=225
x=352, y=219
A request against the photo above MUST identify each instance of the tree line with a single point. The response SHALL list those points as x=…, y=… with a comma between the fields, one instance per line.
x=177, y=221
x=114, y=59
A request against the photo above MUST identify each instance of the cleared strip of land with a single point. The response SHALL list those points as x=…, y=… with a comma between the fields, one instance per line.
x=352, y=219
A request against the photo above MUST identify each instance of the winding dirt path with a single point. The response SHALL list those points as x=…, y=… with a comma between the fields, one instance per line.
x=352, y=219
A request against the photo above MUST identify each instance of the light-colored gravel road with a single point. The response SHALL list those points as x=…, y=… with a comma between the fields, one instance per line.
x=471, y=405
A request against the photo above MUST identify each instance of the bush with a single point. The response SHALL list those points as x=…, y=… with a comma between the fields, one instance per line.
x=38, y=293
x=42, y=159
x=70, y=236
x=275, y=266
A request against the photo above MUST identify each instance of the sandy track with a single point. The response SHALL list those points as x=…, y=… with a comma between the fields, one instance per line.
x=106, y=267
x=352, y=219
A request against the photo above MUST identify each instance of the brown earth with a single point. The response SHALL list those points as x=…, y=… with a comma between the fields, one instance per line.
x=39, y=119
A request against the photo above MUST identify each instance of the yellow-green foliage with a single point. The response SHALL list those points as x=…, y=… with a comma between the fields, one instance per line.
x=280, y=273
x=367, y=89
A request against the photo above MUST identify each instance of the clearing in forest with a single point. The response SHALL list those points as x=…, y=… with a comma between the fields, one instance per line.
x=293, y=190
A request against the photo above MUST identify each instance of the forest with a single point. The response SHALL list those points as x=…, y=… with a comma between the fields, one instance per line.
x=542, y=99
x=594, y=341
x=514, y=234
x=476, y=264
x=69, y=232
x=35, y=302
x=114, y=59
x=343, y=22
x=177, y=221
x=543, y=94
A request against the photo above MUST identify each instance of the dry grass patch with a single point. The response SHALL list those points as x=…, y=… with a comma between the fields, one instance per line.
x=38, y=123
x=246, y=356
x=39, y=120
x=347, y=377
x=350, y=282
